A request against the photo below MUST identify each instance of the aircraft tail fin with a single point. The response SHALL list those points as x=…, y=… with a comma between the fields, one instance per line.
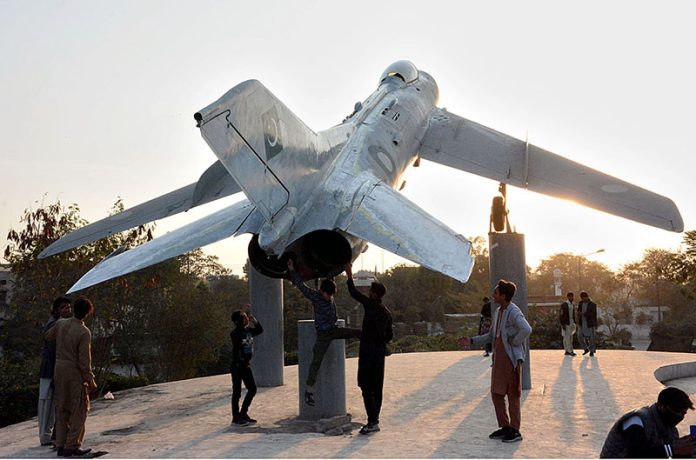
x=262, y=144
x=389, y=220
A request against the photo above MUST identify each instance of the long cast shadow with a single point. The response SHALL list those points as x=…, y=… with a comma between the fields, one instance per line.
x=600, y=405
x=563, y=397
x=416, y=403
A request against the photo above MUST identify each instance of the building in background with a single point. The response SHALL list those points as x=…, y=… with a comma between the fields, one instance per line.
x=6, y=285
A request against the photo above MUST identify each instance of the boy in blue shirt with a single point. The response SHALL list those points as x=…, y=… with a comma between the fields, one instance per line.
x=325, y=318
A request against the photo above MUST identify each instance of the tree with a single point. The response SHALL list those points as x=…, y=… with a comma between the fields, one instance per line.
x=577, y=273
x=164, y=318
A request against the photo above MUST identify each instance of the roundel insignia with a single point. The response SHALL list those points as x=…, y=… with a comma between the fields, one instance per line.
x=272, y=133
x=382, y=158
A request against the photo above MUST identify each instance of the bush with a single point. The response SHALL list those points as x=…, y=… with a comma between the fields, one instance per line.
x=290, y=358
x=671, y=335
x=18, y=403
x=620, y=339
x=417, y=343
x=546, y=330
x=18, y=400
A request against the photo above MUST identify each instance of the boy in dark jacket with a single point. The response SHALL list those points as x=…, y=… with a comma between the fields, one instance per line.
x=376, y=332
x=242, y=351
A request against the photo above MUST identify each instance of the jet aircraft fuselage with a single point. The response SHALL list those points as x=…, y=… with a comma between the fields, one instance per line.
x=382, y=138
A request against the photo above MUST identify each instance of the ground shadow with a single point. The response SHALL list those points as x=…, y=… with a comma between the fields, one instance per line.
x=563, y=397
x=425, y=399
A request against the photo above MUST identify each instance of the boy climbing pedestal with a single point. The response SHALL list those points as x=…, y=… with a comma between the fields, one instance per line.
x=325, y=318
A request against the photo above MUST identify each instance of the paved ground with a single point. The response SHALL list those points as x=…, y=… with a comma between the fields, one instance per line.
x=436, y=405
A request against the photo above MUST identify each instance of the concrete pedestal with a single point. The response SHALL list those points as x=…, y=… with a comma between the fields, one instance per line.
x=330, y=387
x=508, y=261
x=266, y=298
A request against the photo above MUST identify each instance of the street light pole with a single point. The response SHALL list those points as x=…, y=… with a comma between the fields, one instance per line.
x=579, y=257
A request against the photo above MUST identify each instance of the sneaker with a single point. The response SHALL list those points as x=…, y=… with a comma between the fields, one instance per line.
x=586, y=351
x=248, y=419
x=512, y=436
x=309, y=398
x=73, y=452
x=241, y=422
x=498, y=434
x=591, y=353
x=369, y=428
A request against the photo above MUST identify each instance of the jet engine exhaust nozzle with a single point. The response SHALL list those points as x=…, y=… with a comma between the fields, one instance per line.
x=318, y=254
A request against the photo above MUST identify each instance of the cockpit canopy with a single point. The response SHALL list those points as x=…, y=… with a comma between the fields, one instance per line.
x=402, y=69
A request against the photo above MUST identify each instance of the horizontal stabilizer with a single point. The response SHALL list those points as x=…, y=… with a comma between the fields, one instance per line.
x=389, y=220
x=215, y=183
x=457, y=142
x=212, y=228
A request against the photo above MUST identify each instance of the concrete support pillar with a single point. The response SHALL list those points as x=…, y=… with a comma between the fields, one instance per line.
x=330, y=387
x=266, y=298
x=508, y=261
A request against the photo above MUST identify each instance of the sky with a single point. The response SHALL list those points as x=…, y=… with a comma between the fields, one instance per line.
x=98, y=100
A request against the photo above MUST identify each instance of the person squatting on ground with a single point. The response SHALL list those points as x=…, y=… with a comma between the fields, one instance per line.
x=651, y=431
x=73, y=378
x=567, y=320
x=246, y=327
x=587, y=322
x=376, y=332
x=325, y=318
x=508, y=333
x=62, y=308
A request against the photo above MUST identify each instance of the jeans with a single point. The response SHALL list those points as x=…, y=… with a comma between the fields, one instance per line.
x=324, y=339
x=242, y=374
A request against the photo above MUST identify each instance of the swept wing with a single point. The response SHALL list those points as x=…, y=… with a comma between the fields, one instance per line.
x=215, y=183
x=212, y=228
x=463, y=144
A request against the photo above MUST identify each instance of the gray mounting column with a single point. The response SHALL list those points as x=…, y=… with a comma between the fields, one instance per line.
x=508, y=261
x=266, y=298
x=330, y=387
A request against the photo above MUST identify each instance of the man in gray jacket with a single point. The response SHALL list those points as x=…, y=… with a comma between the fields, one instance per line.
x=508, y=333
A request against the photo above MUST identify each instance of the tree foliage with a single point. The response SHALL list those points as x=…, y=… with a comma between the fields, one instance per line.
x=166, y=321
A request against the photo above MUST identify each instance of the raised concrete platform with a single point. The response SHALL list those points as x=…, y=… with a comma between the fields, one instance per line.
x=436, y=405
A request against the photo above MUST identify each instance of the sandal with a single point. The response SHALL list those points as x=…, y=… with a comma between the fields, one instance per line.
x=309, y=398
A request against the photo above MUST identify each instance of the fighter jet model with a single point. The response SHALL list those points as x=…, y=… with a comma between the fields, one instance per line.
x=320, y=198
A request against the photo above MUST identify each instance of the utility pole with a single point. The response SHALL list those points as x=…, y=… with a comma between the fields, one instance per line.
x=579, y=257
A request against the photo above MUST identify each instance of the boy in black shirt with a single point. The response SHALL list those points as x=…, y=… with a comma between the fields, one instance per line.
x=242, y=351
x=376, y=332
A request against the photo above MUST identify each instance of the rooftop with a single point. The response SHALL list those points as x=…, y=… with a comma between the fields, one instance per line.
x=440, y=399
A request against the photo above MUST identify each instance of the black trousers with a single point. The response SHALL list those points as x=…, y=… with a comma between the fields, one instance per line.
x=371, y=382
x=372, y=398
x=242, y=374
